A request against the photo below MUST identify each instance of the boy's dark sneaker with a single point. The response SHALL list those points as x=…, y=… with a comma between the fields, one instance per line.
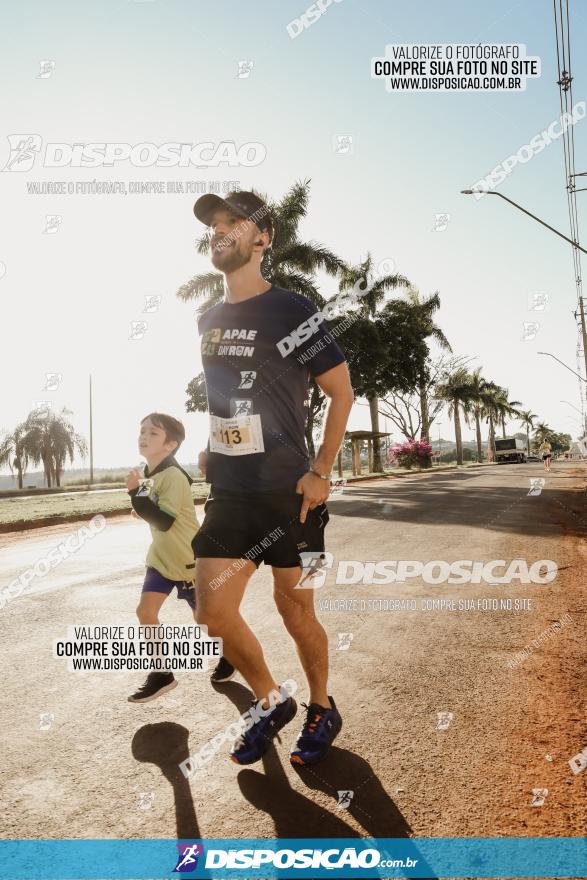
x=224, y=671
x=320, y=729
x=157, y=683
x=253, y=743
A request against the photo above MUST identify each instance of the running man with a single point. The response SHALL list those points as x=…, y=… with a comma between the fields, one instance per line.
x=266, y=502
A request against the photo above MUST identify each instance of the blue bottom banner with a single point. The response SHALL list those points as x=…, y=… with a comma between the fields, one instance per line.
x=537, y=857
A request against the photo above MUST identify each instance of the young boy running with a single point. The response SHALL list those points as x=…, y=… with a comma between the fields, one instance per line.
x=164, y=500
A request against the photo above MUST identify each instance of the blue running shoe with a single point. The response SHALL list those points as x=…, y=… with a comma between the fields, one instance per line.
x=320, y=729
x=254, y=742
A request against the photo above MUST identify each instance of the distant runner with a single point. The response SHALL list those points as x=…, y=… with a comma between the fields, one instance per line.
x=545, y=451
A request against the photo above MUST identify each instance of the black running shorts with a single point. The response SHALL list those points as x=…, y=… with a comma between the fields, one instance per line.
x=260, y=527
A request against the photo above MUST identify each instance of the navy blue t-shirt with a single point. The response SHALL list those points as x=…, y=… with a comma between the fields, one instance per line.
x=258, y=356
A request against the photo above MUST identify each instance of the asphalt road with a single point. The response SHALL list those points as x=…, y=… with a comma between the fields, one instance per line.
x=105, y=768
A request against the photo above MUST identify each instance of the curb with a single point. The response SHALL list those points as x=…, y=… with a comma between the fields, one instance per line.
x=23, y=525
x=416, y=472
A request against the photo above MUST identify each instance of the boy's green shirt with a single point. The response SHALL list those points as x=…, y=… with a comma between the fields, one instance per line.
x=171, y=553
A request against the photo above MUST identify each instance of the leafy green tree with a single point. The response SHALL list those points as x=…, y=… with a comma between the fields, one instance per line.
x=385, y=353
x=558, y=442
x=370, y=290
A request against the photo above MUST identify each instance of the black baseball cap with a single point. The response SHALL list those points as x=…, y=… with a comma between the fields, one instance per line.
x=245, y=204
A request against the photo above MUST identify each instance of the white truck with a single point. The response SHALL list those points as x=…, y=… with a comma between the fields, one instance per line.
x=510, y=449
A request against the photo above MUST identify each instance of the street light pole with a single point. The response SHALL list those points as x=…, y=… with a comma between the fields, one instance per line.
x=563, y=364
x=573, y=405
x=471, y=192
x=575, y=244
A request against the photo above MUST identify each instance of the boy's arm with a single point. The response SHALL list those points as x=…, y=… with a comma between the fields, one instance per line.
x=150, y=512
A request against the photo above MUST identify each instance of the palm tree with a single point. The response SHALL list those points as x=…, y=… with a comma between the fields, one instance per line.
x=372, y=288
x=456, y=391
x=372, y=294
x=492, y=394
x=479, y=398
x=37, y=444
x=65, y=442
x=542, y=432
x=51, y=439
x=289, y=262
x=425, y=309
x=527, y=419
x=13, y=452
x=506, y=407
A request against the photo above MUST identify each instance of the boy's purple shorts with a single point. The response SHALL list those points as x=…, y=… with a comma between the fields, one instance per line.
x=156, y=583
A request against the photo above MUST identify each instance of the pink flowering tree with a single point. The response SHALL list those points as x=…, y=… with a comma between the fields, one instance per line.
x=413, y=453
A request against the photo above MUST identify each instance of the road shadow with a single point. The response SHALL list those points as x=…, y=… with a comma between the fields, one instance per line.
x=296, y=816
x=344, y=772
x=165, y=745
x=479, y=503
x=369, y=804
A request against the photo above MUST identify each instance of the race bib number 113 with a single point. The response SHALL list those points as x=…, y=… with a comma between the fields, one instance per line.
x=240, y=435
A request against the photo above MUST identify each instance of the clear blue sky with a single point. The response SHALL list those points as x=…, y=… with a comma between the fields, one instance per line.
x=165, y=71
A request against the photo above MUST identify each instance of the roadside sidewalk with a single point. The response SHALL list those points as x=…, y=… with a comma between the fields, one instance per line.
x=21, y=525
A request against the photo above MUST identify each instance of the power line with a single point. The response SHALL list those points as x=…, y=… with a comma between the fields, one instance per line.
x=562, y=29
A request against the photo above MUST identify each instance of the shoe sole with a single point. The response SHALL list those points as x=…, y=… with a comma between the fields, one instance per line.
x=223, y=680
x=297, y=759
x=160, y=692
x=274, y=734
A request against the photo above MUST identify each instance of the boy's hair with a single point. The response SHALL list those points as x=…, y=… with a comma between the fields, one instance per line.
x=174, y=429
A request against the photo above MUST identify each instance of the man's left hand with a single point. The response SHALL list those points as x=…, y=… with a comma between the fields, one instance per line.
x=315, y=492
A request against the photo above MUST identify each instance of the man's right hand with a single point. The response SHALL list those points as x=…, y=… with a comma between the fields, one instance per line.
x=202, y=461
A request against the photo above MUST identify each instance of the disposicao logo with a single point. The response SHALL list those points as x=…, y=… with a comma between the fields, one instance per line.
x=189, y=853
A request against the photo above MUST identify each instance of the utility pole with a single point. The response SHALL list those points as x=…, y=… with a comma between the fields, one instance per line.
x=91, y=438
x=584, y=340
x=583, y=332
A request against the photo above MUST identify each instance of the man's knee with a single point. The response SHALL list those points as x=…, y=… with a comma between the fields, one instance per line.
x=214, y=619
x=296, y=617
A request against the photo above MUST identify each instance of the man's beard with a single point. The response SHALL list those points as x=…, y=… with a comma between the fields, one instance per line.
x=231, y=258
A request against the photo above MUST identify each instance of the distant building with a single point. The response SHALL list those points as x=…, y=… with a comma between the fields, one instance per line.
x=578, y=450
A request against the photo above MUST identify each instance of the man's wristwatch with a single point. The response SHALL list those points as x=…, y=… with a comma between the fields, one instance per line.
x=322, y=476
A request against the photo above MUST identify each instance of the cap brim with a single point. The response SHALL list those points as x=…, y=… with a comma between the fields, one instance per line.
x=206, y=205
